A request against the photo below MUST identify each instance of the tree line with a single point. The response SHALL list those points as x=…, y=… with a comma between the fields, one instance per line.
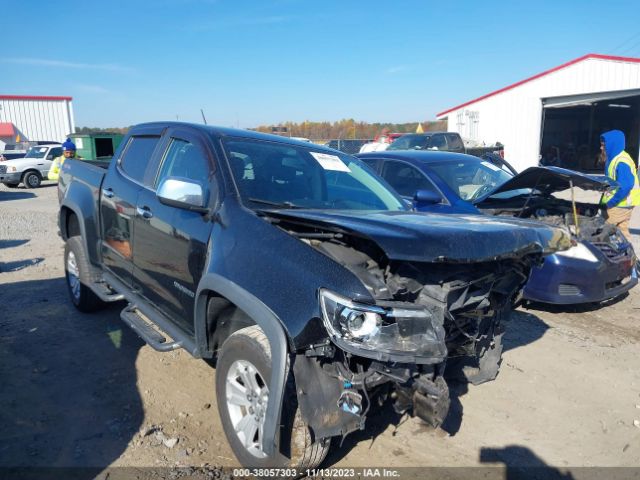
x=346, y=129
x=341, y=129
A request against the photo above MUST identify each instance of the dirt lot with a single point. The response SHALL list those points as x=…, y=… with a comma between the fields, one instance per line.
x=83, y=390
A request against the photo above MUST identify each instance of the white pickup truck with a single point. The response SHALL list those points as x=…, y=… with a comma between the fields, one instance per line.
x=32, y=168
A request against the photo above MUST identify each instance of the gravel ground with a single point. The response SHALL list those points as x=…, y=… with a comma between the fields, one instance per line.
x=83, y=391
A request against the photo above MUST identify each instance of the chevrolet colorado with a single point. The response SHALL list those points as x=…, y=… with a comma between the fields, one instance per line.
x=309, y=280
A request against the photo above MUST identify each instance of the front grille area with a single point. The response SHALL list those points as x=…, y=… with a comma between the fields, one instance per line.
x=3, y=169
x=610, y=251
x=568, y=290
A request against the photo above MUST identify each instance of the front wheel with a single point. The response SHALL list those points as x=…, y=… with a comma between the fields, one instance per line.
x=32, y=179
x=78, y=276
x=242, y=374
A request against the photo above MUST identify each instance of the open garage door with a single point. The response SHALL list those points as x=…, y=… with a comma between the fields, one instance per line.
x=571, y=127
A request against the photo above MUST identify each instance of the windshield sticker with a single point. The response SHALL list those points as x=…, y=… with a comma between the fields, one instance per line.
x=330, y=162
x=43, y=149
x=491, y=166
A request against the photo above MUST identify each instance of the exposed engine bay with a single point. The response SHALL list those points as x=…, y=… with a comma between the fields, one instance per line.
x=591, y=225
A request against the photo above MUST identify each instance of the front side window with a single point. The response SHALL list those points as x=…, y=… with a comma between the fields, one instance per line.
x=268, y=173
x=185, y=160
x=137, y=156
x=406, y=179
x=56, y=152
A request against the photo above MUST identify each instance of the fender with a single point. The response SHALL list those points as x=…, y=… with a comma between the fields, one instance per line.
x=79, y=200
x=273, y=329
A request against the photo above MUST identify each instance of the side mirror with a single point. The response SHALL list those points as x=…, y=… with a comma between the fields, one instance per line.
x=426, y=197
x=182, y=193
x=50, y=156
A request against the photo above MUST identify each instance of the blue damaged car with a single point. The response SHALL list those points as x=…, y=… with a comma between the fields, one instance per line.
x=600, y=266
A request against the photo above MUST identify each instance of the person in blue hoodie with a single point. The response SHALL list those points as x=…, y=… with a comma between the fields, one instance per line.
x=619, y=166
x=68, y=151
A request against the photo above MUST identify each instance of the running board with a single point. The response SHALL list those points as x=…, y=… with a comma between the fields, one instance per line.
x=132, y=316
x=148, y=322
x=104, y=293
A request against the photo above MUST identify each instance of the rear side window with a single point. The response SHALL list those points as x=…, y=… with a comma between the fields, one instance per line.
x=407, y=180
x=137, y=156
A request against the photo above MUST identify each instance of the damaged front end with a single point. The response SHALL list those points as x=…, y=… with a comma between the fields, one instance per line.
x=425, y=315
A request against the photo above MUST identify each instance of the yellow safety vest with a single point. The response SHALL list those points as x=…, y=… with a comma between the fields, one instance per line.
x=633, y=199
x=56, y=165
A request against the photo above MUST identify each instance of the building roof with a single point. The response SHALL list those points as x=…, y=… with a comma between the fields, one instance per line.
x=34, y=97
x=546, y=72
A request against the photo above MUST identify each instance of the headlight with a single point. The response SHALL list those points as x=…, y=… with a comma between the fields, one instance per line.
x=11, y=169
x=580, y=252
x=383, y=331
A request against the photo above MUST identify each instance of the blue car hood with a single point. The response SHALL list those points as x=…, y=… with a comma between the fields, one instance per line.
x=552, y=179
x=428, y=237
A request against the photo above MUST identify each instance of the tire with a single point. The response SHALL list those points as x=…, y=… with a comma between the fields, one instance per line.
x=78, y=276
x=32, y=179
x=245, y=358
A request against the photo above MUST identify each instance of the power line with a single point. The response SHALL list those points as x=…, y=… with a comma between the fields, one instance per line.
x=631, y=38
x=630, y=49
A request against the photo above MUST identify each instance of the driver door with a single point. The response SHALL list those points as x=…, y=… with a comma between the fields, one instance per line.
x=171, y=243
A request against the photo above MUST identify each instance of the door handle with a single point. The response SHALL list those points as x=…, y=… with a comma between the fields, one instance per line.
x=144, y=212
x=108, y=192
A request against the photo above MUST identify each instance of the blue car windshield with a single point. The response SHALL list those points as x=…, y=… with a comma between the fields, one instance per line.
x=289, y=176
x=472, y=179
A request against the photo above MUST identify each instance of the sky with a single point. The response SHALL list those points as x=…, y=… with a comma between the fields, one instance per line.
x=249, y=63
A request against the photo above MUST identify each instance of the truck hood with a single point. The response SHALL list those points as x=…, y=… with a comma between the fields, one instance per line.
x=427, y=237
x=552, y=179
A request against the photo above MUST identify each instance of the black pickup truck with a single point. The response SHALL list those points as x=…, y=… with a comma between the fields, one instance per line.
x=315, y=287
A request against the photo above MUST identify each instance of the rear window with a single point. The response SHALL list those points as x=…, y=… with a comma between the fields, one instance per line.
x=455, y=143
x=137, y=155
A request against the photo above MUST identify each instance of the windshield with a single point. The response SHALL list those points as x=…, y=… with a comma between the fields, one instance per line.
x=411, y=142
x=288, y=176
x=36, y=152
x=471, y=179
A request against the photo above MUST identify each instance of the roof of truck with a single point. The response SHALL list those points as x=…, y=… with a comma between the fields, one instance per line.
x=230, y=132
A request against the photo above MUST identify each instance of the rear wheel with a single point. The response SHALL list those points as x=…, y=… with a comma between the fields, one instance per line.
x=32, y=179
x=242, y=373
x=78, y=276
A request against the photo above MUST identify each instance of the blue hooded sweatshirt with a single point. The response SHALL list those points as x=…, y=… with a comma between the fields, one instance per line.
x=614, y=143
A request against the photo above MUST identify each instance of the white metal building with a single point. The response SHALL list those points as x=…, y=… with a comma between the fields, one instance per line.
x=557, y=116
x=33, y=118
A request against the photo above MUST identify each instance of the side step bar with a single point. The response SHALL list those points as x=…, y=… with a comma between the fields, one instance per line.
x=150, y=324
x=132, y=316
x=104, y=293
